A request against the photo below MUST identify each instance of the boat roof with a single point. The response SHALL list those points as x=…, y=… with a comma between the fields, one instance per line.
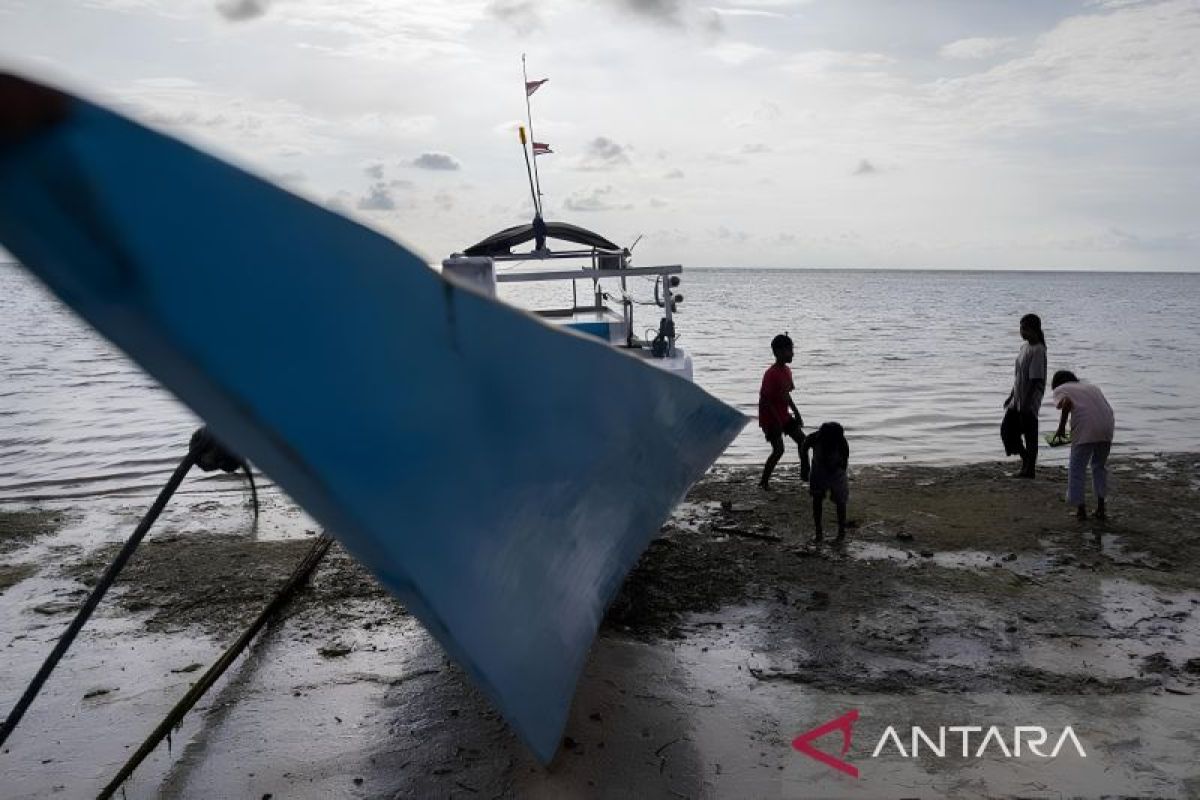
x=502, y=243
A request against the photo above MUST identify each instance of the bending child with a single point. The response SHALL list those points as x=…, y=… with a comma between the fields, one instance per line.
x=1092, y=427
x=777, y=412
x=830, y=457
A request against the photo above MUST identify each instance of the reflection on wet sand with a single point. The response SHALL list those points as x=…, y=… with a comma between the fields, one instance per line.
x=960, y=599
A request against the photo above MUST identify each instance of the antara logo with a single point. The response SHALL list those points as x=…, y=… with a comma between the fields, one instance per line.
x=1025, y=740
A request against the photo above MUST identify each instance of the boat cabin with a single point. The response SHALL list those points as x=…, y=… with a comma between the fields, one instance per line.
x=604, y=308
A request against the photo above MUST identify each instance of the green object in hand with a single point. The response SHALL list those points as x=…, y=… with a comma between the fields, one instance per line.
x=1054, y=440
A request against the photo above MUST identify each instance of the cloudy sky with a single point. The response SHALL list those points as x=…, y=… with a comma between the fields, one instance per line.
x=777, y=133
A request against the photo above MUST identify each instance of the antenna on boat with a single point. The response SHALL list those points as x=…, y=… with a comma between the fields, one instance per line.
x=532, y=193
x=530, y=88
x=539, y=224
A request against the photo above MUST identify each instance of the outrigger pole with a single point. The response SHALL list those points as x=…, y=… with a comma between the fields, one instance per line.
x=204, y=451
x=175, y=717
x=537, y=201
x=93, y=600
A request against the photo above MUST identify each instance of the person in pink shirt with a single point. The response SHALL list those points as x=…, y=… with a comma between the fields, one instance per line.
x=1092, y=426
x=777, y=412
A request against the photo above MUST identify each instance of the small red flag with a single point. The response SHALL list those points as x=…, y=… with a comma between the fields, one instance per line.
x=541, y=149
x=532, y=86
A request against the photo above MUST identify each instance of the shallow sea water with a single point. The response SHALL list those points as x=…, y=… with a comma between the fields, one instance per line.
x=915, y=365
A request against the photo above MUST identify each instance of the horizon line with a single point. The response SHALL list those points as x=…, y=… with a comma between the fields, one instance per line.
x=1048, y=270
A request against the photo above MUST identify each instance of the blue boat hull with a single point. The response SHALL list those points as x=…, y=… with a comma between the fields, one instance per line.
x=497, y=475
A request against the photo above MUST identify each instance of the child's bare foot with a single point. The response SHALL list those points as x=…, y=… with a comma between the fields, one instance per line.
x=1101, y=511
x=1081, y=513
x=818, y=537
x=803, y=475
x=841, y=537
x=766, y=487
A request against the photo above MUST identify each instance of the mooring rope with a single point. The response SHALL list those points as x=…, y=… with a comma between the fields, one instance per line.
x=205, y=452
x=175, y=716
x=93, y=600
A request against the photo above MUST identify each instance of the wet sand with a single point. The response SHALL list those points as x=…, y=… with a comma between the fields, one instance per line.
x=961, y=596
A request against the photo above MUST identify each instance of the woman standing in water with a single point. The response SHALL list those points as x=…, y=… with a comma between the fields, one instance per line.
x=1021, y=407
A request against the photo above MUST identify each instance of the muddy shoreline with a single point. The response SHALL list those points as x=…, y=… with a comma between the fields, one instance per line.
x=953, y=580
x=931, y=550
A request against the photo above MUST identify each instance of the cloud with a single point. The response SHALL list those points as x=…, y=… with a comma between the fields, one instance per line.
x=521, y=15
x=1113, y=70
x=249, y=127
x=603, y=154
x=240, y=10
x=866, y=168
x=767, y=112
x=712, y=24
x=847, y=72
x=1124, y=240
x=378, y=198
x=663, y=11
x=1110, y=4
x=184, y=118
x=339, y=202
x=674, y=175
x=386, y=31
x=600, y=198
x=729, y=235
x=724, y=159
x=813, y=62
x=169, y=82
x=771, y=3
x=737, y=53
x=374, y=171
x=441, y=162
x=756, y=148
x=289, y=178
x=389, y=125
x=658, y=202
x=668, y=237
x=747, y=12
x=975, y=48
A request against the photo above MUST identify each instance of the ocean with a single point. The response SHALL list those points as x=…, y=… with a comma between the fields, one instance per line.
x=915, y=365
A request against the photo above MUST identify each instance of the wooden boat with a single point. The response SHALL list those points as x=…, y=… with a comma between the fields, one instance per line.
x=382, y=397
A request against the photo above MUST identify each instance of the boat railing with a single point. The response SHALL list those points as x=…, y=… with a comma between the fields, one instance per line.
x=595, y=273
x=543, y=255
x=585, y=273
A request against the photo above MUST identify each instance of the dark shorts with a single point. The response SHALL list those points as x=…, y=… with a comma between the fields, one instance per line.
x=791, y=428
x=1017, y=424
x=832, y=481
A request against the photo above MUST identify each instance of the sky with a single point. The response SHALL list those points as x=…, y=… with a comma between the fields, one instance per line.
x=1031, y=134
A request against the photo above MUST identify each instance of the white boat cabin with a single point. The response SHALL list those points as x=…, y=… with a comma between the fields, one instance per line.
x=604, y=308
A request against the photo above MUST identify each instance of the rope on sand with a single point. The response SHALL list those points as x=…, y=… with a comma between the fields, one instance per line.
x=175, y=716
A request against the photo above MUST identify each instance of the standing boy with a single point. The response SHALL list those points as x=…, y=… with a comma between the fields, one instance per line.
x=1092, y=426
x=777, y=413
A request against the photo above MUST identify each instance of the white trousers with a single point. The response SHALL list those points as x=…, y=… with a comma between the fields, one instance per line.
x=1081, y=454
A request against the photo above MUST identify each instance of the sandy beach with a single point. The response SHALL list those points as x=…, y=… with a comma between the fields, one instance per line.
x=960, y=594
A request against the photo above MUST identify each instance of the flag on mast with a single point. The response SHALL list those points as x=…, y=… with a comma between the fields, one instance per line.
x=541, y=149
x=533, y=86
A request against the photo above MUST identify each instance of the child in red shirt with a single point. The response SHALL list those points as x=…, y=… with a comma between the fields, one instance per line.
x=777, y=413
